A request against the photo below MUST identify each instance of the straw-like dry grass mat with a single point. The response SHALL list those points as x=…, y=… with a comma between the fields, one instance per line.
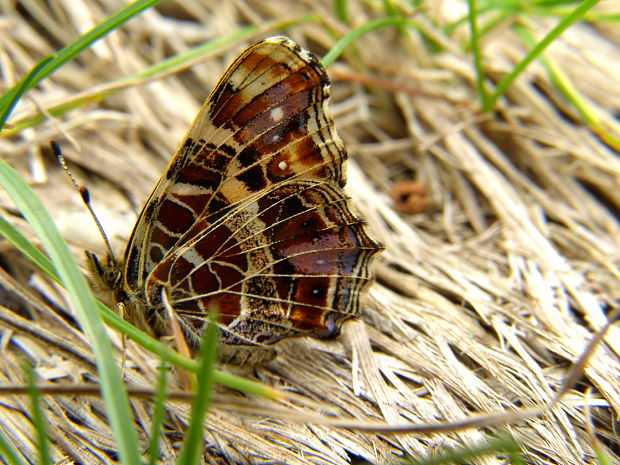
x=482, y=300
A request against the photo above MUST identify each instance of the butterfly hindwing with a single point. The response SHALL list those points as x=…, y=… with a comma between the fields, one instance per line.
x=293, y=262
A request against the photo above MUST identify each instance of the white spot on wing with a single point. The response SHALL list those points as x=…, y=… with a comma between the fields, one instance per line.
x=276, y=114
x=283, y=165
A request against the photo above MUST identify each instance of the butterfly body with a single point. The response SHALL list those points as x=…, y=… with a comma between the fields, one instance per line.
x=250, y=217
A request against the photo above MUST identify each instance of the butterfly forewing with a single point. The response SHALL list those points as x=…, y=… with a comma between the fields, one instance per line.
x=250, y=215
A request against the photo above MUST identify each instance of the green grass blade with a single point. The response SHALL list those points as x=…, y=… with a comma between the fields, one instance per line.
x=564, y=24
x=113, y=390
x=504, y=445
x=193, y=444
x=563, y=83
x=476, y=51
x=27, y=248
x=159, y=411
x=7, y=452
x=55, y=111
x=342, y=11
x=37, y=418
x=601, y=455
x=51, y=63
x=10, y=99
x=354, y=34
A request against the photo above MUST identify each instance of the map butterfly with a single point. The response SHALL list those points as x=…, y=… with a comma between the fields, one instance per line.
x=250, y=216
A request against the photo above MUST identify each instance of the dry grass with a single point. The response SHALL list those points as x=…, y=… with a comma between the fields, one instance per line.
x=481, y=302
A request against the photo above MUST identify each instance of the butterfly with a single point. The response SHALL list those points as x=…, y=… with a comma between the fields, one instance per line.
x=250, y=216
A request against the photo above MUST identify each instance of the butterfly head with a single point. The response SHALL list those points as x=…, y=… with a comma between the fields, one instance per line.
x=106, y=274
x=107, y=278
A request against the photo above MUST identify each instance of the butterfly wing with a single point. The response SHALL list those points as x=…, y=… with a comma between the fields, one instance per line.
x=250, y=214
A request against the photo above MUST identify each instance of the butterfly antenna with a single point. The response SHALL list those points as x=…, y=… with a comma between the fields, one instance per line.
x=85, y=195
